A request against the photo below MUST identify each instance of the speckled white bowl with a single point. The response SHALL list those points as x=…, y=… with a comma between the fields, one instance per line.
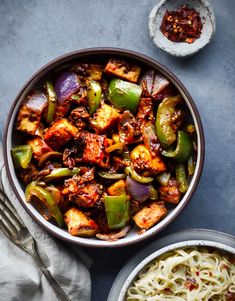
x=158, y=253
x=221, y=242
x=181, y=49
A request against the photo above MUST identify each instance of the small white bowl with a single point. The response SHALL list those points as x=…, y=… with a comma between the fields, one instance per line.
x=181, y=48
x=187, y=238
x=180, y=245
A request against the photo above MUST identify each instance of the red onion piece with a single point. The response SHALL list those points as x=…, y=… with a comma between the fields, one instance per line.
x=139, y=192
x=150, y=138
x=37, y=102
x=66, y=85
x=159, y=83
x=147, y=82
x=128, y=128
x=114, y=235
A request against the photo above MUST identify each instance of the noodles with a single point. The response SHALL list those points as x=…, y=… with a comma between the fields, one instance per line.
x=191, y=274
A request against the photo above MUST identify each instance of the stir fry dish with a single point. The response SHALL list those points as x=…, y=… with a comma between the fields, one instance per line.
x=105, y=147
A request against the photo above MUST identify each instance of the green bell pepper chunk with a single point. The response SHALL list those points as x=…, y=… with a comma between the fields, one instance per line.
x=21, y=155
x=164, y=131
x=117, y=211
x=94, y=95
x=111, y=176
x=181, y=177
x=61, y=172
x=153, y=193
x=44, y=196
x=124, y=95
x=129, y=170
x=183, y=149
x=52, y=102
x=27, y=190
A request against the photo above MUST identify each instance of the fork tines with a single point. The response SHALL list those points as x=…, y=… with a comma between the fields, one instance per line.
x=10, y=222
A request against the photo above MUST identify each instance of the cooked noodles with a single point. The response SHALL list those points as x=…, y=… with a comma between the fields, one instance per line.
x=191, y=274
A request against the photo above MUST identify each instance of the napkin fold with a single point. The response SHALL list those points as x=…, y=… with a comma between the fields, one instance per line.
x=20, y=277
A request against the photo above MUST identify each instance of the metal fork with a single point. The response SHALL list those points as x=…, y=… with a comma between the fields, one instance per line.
x=14, y=228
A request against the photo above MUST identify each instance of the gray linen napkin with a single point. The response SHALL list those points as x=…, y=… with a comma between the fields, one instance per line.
x=22, y=280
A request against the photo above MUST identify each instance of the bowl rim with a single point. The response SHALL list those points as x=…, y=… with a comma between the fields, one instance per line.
x=54, y=230
x=154, y=12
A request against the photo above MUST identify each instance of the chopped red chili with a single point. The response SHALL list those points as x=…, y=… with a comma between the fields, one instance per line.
x=191, y=284
x=182, y=25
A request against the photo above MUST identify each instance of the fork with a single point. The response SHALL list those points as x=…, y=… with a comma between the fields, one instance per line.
x=14, y=228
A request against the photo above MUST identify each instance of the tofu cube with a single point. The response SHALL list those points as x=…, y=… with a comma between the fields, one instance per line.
x=144, y=162
x=104, y=118
x=170, y=193
x=94, y=150
x=60, y=133
x=150, y=215
x=30, y=112
x=87, y=194
x=79, y=224
x=39, y=147
x=123, y=70
x=91, y=71
x=118, y=188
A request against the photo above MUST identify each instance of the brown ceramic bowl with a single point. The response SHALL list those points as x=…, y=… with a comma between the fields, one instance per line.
x=11, y=138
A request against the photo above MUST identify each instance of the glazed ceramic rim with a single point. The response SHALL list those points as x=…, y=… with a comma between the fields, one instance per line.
x=154, y=12
x=89, y=52
x=182, y=244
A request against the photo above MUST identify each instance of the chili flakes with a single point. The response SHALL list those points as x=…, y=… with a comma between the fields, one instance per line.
x=182, y=25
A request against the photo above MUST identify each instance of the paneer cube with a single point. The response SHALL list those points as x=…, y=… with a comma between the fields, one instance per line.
x=91, y=71
x=79, y=224
x=118, y=188
x=104, y=118
x=148, y=216
x=87, y=194
x=39, y=147
x=170, y=193
x=94, y=149
x=159, y=84
x=60, y=133
x=30, y=112
x=122, y=69
x=144, y=162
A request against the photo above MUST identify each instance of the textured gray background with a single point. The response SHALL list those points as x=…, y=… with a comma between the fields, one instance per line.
x=34, y=32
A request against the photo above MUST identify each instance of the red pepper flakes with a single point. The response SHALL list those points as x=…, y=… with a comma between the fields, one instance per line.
x=182, y=25
x=191, y=284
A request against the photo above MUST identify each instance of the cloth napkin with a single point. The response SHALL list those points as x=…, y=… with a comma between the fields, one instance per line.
x=20, y=277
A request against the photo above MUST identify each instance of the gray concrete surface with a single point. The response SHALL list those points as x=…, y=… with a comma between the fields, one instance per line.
x=34, y=32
